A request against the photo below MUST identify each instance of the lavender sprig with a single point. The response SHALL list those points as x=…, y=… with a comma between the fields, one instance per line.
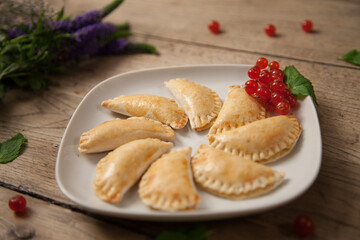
x=33, y=50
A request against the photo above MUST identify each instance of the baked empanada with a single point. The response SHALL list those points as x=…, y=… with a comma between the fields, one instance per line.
x=231, y=176
x=262, y=141
x=123, y=167
x=168, y=185
x=239, y=109
x=111, y=134
x=200, y=103
x=159, y=108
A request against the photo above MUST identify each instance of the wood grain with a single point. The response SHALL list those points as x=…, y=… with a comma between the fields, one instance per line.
x=184, y=39
x=336, y=24
x=44, y=221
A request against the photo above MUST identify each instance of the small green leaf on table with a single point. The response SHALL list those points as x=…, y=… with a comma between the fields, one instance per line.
x=353, y=56
x=10, y=149
x=299, y=86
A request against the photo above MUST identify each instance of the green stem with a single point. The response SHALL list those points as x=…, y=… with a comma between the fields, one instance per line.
x=111, y=7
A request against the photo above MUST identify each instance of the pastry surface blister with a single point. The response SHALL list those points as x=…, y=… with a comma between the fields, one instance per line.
x=120, y=169
x=159, y=108
x=168, y=185
x=200, y=103
x=231, y=176
x=262, y=141
x=238, y=109
x=111, y=134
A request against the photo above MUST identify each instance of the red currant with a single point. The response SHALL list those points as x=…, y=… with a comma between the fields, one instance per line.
x=17, y=203
x=278, y=87
x=283, y=108
x=214, y=27
x=265, y=77
x=287, y=92
x=278, y=74
x=307, y=26
x=292, y=100
x=303, y=226
x=270, y=30
x=262, y=62
x=254, y=72
x=269, y=107
x=274, y=65
x=251, y=86
x=263, y=94
x=276, y=98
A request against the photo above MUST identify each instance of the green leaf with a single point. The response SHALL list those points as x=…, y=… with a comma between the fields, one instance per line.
x=141, y=48
x=39, y=24
x=35, y=82
x=2, y=90
x=198, y=232
x=298, y=84
x=60, y=14
x=10, y=149
x=353, y=56
x=111, y=7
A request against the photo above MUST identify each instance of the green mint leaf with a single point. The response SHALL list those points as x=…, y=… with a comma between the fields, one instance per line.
x=198, y=232
x=298, y=84
x=10, y=149
x=353, y=56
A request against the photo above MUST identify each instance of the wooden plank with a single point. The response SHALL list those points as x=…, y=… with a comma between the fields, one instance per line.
x=43, y=220
x=43, y=116
x=335, y=23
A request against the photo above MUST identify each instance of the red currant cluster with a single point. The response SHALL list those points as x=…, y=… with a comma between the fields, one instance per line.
x=268, y=87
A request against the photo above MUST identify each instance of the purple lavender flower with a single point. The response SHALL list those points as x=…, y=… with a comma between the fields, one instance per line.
x=116, y=46
x=86, y=39
x=16, y=32
x=70, y=26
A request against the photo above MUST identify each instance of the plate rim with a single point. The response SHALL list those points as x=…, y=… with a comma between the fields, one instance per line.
x=180, y=216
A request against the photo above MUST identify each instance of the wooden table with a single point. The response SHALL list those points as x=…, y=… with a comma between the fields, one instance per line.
x=179, y=31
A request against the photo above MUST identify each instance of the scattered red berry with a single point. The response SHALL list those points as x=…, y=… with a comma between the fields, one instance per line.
x=274, y=65
x=282, y=108
x=303, y=226
x=307, y=26
x=214, y=27
x=17, y=203
x=262, y=62
x=254, y=72
x=270, y=30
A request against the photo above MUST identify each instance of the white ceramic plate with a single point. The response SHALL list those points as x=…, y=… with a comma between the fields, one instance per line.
x=75, y=172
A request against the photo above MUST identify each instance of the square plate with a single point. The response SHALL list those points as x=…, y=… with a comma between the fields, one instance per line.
x=75, y=172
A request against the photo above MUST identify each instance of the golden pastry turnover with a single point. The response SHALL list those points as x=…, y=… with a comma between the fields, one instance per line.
x=168, y=184
x=262, y=141
x=159, y=108
x=231, y=176
x=111, y=134
x=200, y=103
x=120, y=169
x=239, y=109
